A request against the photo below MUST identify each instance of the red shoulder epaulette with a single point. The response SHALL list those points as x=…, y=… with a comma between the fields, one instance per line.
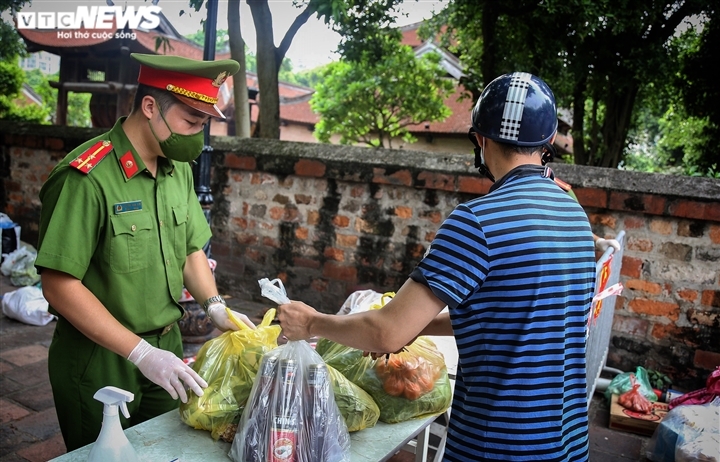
x=564, y=186
x=89, y=159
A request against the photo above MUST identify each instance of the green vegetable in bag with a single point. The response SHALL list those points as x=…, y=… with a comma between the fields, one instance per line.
x=357, y=407
x=622, y=383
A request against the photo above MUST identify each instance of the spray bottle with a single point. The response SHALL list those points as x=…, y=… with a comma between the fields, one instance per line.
x=112, y=445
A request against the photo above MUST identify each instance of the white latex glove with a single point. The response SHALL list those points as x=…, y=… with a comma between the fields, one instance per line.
x=219, y=316
x=167, y=370
x=603, y=244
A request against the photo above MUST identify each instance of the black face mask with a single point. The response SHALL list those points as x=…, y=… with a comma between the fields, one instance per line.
x=480, y=157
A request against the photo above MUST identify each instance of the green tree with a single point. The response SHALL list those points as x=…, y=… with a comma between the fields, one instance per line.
x=373, y=102
x=597, y=56
x=270, y=57
x=311, y=77
x=11, y=82
x=222, y=42
x=11, y=45
x=11, y=76
x=701, y=95
x=39, y=82
x=78, y=110
x=672, y=134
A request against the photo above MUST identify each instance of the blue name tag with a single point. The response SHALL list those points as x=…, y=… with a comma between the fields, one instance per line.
x=124, y=207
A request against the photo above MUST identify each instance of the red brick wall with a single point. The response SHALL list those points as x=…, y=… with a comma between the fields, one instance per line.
x=331, y=219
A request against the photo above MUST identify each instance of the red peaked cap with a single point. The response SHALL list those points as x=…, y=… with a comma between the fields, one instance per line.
x=196, y=83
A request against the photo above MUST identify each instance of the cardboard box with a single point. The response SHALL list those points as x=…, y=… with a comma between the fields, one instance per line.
x=634, y=422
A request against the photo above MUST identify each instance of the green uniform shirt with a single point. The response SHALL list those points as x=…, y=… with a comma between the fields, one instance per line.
x=123, y=233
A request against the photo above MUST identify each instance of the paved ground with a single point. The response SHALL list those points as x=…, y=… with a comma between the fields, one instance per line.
x=29, y=430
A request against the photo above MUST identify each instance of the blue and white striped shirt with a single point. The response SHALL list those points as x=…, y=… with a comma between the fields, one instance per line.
x=517, y=270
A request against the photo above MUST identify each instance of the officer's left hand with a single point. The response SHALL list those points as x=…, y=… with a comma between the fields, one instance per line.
x=603, y=244
x=219, y=316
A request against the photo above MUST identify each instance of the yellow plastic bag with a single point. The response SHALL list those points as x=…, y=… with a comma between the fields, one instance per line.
x=228, y=364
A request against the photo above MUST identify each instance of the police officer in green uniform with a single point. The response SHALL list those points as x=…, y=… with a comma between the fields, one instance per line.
x=121, y=232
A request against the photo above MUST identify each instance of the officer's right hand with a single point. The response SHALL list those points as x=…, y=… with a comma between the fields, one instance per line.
x=167, y=370
x=219, y=316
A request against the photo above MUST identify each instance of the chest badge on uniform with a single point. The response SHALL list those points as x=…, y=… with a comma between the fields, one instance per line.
x=128, y=164
x=124, y=207
x=89, y=159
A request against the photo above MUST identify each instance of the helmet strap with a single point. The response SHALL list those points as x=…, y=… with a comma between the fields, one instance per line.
x=480, y=156
x=480, y=162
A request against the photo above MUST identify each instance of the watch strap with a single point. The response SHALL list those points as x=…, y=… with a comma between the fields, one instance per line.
x=214, y=299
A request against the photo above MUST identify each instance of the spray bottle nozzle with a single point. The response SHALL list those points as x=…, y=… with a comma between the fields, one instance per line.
x=112, y=445
x=112, y=398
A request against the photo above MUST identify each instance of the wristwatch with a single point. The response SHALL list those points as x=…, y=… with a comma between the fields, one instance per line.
x=211, y=300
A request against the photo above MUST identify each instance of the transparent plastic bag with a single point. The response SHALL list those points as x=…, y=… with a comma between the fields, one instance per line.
x=228, y=364
x=705, y=447
x=360, y=300
x=20, y=266
x=634, y=400
x=688, y=433
x=291, y=413
x=622, y=383
x=425, y=391
x=273, y=290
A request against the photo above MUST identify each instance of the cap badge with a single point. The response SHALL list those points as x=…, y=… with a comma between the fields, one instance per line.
x=220, y=79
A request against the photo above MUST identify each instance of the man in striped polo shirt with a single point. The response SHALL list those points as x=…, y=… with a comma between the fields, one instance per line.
x=516, y=269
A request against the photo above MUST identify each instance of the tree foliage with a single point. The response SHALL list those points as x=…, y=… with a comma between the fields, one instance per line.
x=353, y=17
x=373, y=102
x=675, y=130
x=701, y=95
x=599, y=57
x=366, y=27
x=222, y=41
x=78, y=107
x=11, y=45
x=11, y=107
x=310, y=77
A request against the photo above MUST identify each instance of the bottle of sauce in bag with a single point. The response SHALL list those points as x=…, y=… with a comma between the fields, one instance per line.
x=257, y=436
x=285, y=420
x=316, y=415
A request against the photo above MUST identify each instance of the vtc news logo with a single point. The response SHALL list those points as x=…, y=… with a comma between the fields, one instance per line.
x=103, y=17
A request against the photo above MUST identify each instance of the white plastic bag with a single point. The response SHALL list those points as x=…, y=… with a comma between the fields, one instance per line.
x=20, y=266
x=273, y=290
x=27, y=305
x=360, y=300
